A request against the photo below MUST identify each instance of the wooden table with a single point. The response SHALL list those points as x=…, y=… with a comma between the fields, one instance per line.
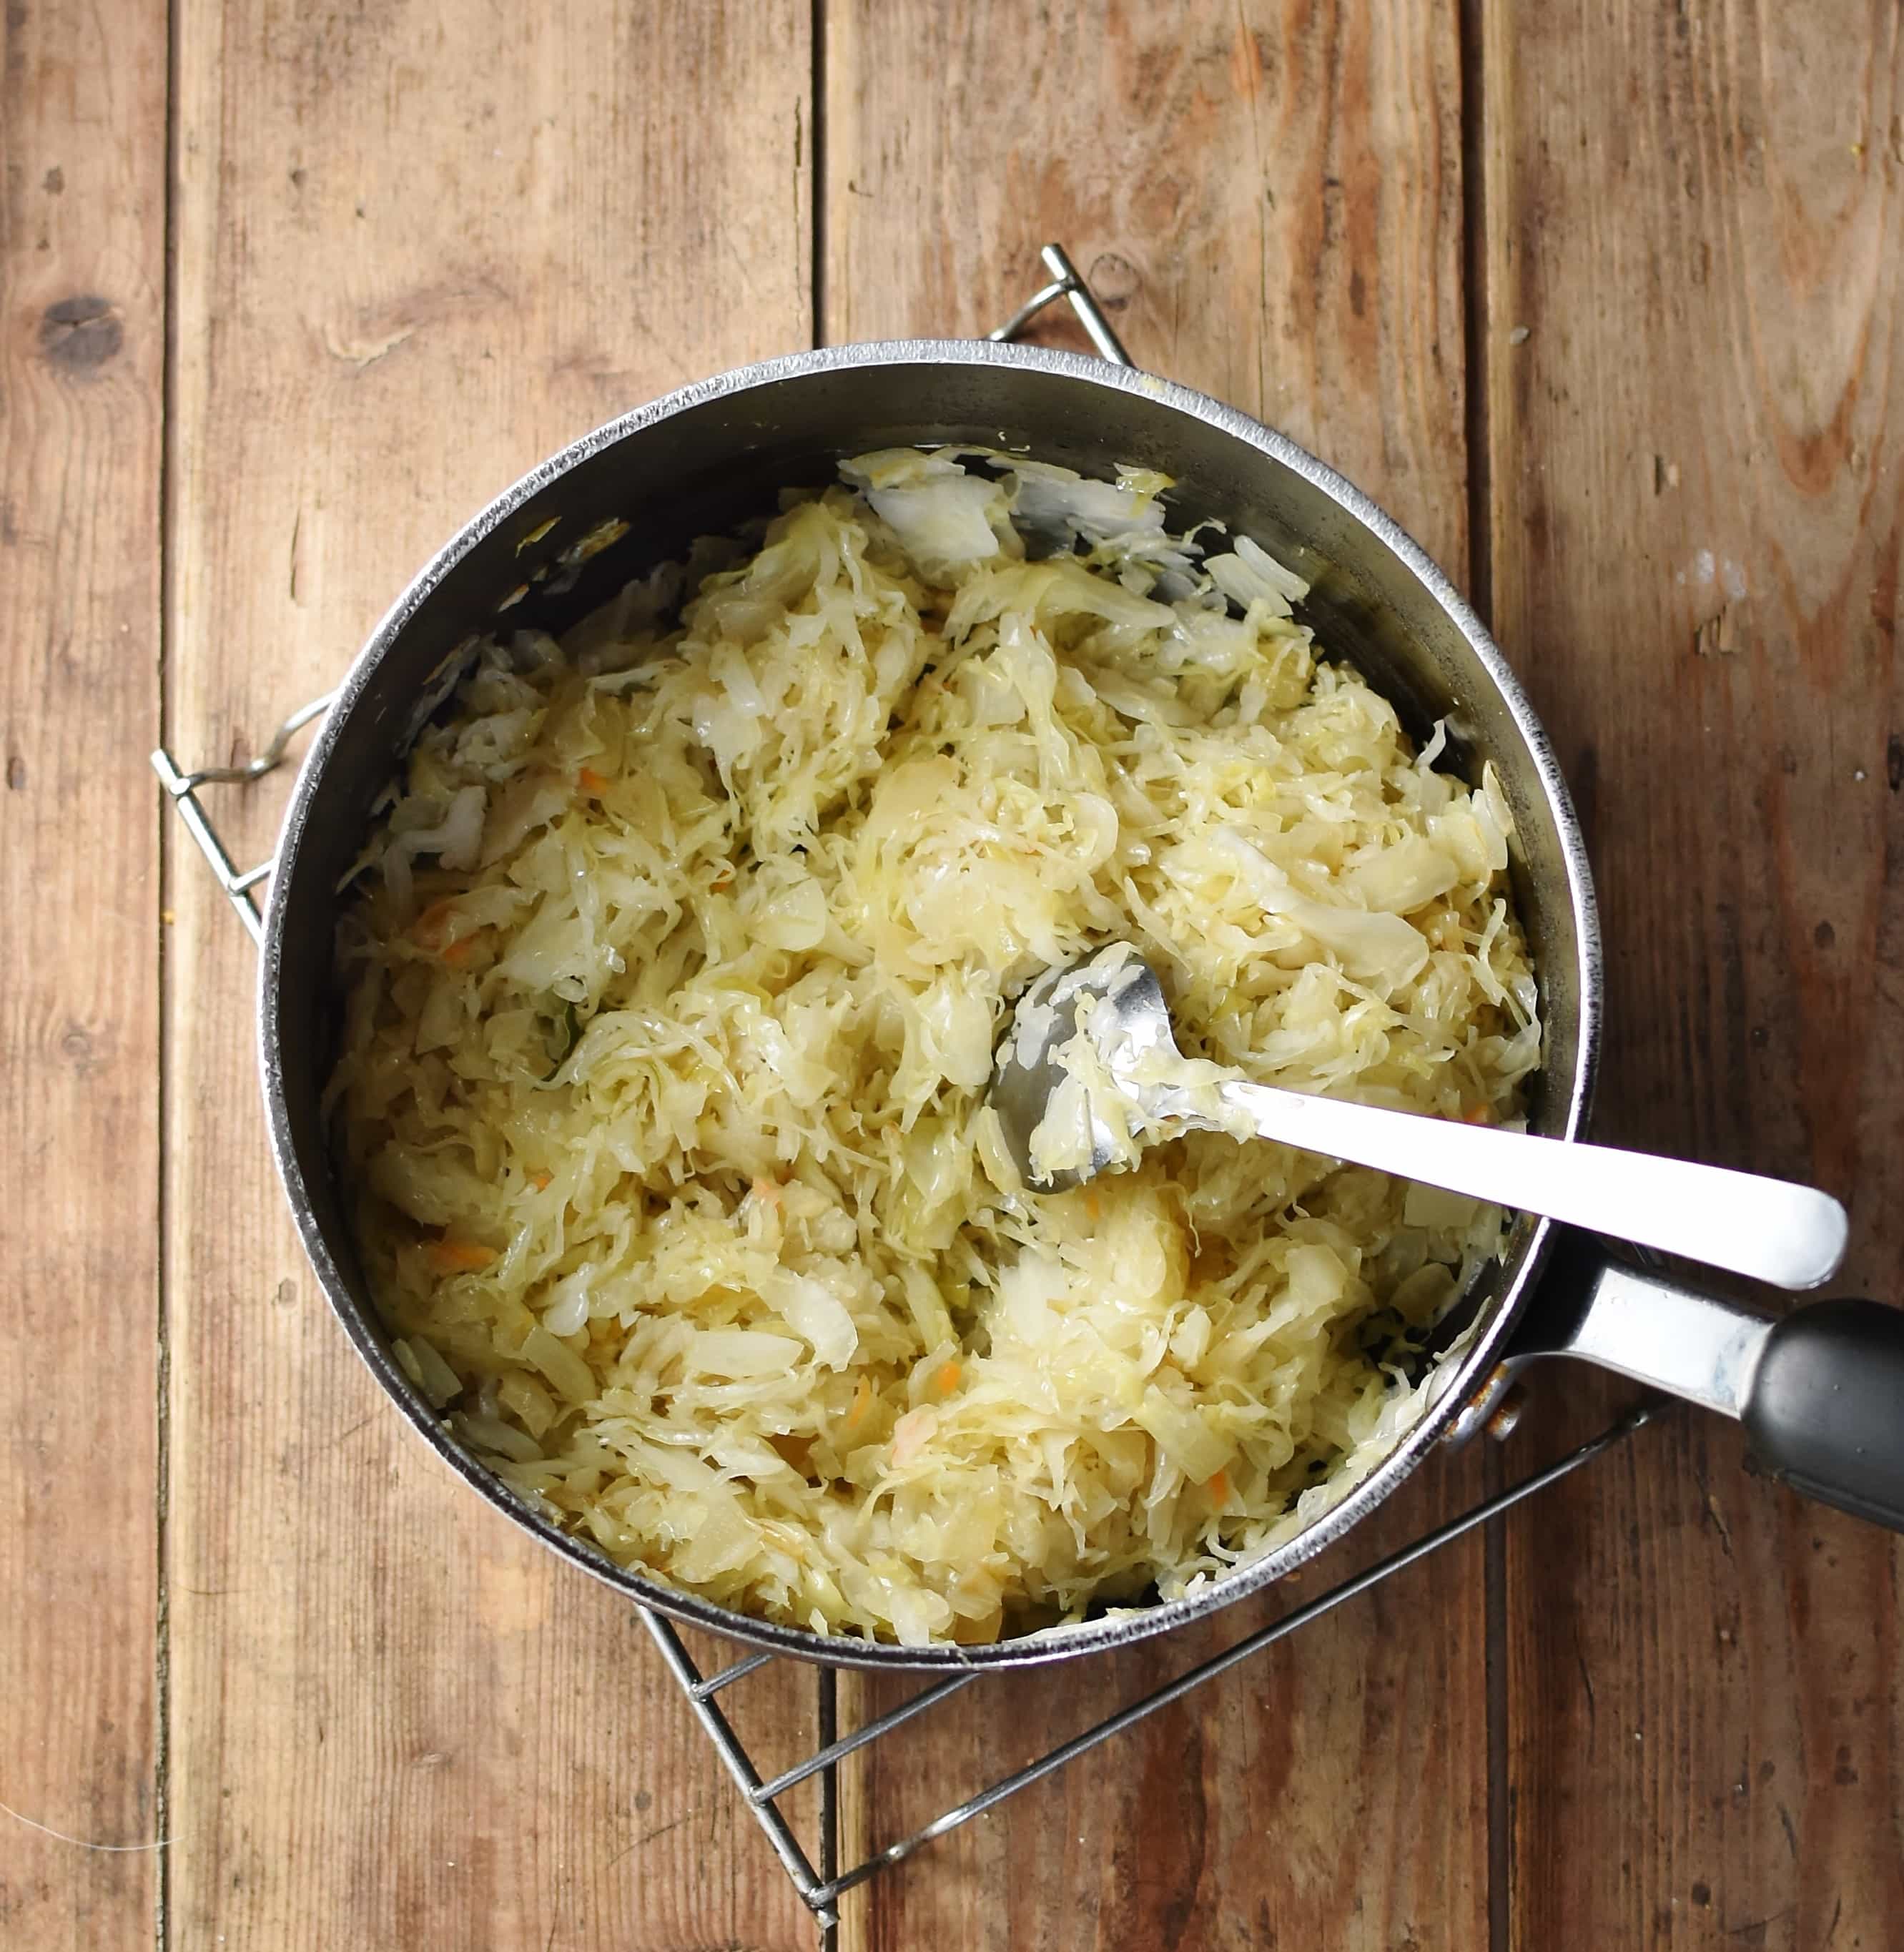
x=1603, y=302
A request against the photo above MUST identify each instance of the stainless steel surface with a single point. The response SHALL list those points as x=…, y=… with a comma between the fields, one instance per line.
x=1770, y=1229
x=1661, y=1331
x=1477, y=1413
x=267, y=760
x=1119, y=1006
x=1066, y=284
x=182, y=787
x=837, y=1751
x=739, y=1671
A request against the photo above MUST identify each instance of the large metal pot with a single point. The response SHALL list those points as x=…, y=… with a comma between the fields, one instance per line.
x=1823, y=1389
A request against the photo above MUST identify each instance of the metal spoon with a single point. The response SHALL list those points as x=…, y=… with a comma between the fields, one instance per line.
x=1769, y=1228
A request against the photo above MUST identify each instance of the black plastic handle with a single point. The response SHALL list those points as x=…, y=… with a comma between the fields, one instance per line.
x=1825, y=1411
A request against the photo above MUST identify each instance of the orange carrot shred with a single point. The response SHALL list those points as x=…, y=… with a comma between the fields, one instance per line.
x=459, y=951
x=862, y=1403
x=539, y=1181
x=1218, y=1487
x=431, y=928
x=451, y=1256
x=947, y=1379
x=591, y=781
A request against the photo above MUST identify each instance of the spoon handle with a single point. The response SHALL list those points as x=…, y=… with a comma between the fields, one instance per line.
x=1769, y=1228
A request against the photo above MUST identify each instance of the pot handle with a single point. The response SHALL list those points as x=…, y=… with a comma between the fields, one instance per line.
x=1820, y=1390
x=1826, y=1407
x=182, y=789
x=1066, y=282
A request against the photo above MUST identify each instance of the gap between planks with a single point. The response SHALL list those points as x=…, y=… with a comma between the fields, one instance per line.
x=162, y=813
x=1478, y=459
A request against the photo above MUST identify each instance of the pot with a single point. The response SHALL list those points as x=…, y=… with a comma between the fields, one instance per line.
x=1821, y=1391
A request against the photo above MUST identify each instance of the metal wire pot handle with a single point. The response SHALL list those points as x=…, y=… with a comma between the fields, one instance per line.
x=1066, y=282
x=182, y=788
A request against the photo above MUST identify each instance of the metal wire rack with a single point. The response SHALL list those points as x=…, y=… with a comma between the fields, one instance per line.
x=820, y=1885
x=816, y=1873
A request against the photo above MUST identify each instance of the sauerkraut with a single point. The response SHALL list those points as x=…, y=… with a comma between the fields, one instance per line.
x=671, y=975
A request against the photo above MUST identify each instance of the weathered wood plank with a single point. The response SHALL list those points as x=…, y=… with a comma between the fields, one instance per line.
x=419, y=246
x=82, y=358
x=1268, y=197
x=1695, y=249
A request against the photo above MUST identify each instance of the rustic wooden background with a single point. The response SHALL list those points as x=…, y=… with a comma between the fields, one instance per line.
x=1602, y=301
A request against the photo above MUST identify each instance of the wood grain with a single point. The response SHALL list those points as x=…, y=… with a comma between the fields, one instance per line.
x=82, y=353
x=419, y=245
x=1268, y=197
x=1695, y=258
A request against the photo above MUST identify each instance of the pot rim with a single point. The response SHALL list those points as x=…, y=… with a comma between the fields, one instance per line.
x=1521, y=1271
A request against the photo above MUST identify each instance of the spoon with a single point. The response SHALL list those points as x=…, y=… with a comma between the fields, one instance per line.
x=1089, y=1070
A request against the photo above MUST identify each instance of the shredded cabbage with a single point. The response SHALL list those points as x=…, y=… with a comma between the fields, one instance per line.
x=671, y=979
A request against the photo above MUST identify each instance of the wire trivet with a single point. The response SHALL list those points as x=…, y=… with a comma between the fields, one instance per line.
x=821, y=1887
